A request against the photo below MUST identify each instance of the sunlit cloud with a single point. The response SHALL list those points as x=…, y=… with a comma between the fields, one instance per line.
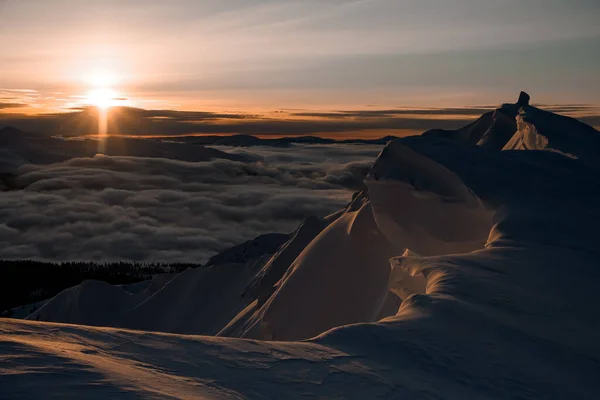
x=18, y=90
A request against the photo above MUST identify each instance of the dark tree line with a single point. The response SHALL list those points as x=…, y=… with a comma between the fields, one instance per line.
x=26, y=281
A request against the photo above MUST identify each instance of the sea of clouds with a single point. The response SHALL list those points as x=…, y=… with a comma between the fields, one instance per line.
x=155, y=209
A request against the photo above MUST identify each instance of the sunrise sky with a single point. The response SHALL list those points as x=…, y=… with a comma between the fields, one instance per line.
x=261, y=56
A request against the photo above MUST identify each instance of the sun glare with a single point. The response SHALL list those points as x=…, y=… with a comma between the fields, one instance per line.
x=103, y=95
x=101, y=79
x=103, y=98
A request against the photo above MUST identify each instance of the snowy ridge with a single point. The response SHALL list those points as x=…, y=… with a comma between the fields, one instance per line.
x=541, y=130
x=461, y=271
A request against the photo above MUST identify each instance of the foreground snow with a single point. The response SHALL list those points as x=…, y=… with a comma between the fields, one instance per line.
x=467, y=268
x=67, y=361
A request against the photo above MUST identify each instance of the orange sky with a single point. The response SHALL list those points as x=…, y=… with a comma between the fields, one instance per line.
x=279, y=59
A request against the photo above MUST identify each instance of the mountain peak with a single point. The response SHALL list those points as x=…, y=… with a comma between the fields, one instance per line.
x=9, y=129
x=523, y=99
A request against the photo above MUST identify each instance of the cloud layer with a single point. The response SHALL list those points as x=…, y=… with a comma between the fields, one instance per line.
x=340, y=124
x=129, y=208
x=137, y=121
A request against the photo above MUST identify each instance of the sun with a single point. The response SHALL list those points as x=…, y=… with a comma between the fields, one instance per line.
x=101, y=79
x=103, y=95
x=102, y=92
x=103, y=98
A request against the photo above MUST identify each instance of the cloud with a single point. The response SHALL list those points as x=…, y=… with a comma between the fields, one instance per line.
x=340, y=124
x=4, y=106
x=136, y=121
x=152, y=209
x=448, y=112
x=31, y=91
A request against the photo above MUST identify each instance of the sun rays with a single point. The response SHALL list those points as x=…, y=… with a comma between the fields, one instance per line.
x=103, y=95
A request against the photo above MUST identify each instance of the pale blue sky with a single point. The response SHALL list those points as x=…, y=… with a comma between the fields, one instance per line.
x=255, y=54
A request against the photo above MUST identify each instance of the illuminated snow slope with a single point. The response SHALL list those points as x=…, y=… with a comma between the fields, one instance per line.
x=494, y=259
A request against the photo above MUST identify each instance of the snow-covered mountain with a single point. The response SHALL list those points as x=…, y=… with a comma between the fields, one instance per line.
x=467, y=268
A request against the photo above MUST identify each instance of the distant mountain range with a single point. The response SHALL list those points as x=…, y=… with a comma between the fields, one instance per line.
x=39, y=148
x=11, y=135
x=249, y=140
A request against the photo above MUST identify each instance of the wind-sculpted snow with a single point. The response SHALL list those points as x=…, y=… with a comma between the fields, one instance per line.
x=492, y=130
x=541, y=130
x=491, y=291
x=342, y=276
x=439, y=214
